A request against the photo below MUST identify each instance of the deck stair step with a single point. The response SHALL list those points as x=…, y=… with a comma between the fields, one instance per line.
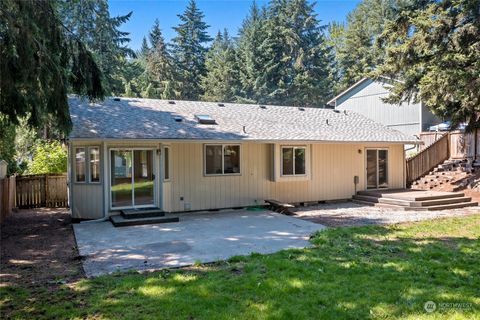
x=142, y=213
x=120, y=221
x=413, y=200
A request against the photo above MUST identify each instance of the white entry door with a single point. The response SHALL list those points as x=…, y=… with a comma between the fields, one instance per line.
x=377, y=168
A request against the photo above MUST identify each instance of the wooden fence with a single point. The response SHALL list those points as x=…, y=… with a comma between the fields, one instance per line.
x=462, y=145
x=7, y=196
x=428, y=158
x=45, y=190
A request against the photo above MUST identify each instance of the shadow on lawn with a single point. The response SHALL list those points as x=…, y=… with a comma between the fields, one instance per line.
x=350, y=273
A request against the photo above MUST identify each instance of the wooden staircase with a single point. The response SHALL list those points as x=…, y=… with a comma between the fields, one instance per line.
x=134, y=217
x=417, y=200
x=451, y=175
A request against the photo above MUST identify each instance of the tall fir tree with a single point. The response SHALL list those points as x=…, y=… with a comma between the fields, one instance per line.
x=189, y=51
x=221, y=80
x=91, y=22
x=433, y=47
x=159, y=65
x=297, y=61
x=358, y=56
x=249, y=54
x=40, y=62
x=144, y=49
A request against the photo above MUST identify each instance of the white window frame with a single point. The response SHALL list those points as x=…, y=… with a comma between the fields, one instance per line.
x=281, y=161
x=88, y=178
x=169, y=164
x=99, y=165
x=84, y=164
x=156, y=186
x=223, y=145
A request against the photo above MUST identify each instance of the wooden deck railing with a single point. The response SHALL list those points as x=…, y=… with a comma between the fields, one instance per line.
x=428, y=158
x=43, y=190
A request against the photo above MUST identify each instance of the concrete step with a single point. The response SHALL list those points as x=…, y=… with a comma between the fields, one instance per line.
x=142, y=213
x=120, y=221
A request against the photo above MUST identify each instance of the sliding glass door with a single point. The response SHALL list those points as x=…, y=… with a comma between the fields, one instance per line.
x=132, y=178
x=377, y=168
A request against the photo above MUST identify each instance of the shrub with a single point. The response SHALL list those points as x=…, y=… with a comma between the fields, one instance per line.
x=48, y=157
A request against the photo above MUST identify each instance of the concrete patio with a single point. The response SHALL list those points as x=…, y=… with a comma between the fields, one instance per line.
x=198, y=237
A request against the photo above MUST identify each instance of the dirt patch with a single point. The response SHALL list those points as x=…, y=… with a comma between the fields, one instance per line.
x=475, y=195
x=38, y=248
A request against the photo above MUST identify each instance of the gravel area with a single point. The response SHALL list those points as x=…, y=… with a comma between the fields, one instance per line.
x=351, y=214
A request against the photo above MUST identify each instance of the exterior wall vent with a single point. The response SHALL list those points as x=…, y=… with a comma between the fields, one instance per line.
x=204, y=119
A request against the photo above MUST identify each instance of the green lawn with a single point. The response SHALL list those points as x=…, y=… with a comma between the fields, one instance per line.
x=351, y=273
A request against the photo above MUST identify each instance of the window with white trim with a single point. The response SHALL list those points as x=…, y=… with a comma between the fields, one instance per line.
x=87, y=164
x=222, y=159
x=80, y=175
x=293, y=161
x=94, y=156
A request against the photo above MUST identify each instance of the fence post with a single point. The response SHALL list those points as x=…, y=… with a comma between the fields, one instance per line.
x=3, y=169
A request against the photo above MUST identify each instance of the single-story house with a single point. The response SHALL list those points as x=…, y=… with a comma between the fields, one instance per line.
x=185, y=155
x=365, y=97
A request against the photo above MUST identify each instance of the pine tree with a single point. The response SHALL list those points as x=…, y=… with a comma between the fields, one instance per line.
x=358, y=55
x=221, y=80
x=298, y=61
x=40, y=61
x=144, y=49
x=249, y=55
x=159, y=63
x=189, y=51
x=433, y=47
x=90, y=21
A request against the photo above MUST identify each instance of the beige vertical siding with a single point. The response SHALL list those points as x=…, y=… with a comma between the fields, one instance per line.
x=332, y=172
x=333, y=167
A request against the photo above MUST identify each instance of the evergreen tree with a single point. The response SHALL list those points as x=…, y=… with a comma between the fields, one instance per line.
x=298, y=61
x=39, y=60
x=189, y=51
x=433, y=47
x=144, y=49
x=249, y=55
x=336, y=40
x=358, y=55
x=159, y=63
x=221, y=80
x=91, y=22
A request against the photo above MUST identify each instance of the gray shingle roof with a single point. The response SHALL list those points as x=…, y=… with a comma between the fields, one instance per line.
x=134, y=118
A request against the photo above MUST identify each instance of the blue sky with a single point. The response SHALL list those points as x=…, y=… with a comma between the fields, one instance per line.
x=219, y=14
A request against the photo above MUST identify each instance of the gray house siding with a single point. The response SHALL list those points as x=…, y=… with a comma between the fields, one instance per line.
x=366, y=98
x=86, y=198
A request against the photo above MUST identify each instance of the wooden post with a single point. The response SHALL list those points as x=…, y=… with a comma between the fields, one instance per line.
x=3, y=169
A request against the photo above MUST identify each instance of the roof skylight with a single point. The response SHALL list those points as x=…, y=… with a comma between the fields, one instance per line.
x=204, y=119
